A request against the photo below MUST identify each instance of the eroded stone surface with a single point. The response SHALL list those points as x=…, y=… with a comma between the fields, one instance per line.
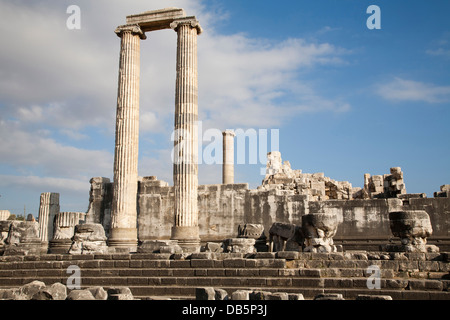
x=413, y=227
x=319, y=230
x=23, y=239
x=239, y=245
x=89, y=238
x=285, y=237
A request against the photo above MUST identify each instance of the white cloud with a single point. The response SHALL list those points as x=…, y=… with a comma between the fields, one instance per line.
x=68, y=78
x=408, y=90
x=244, y=82
x=439, y=52
x=441, y=46
x=45, y=183
x=149, y=122
x=158, y=164
x=73, y=135
x=28, y=151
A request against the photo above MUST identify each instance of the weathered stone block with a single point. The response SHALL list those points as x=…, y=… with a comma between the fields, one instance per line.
x=412, y=227
x=119, y=293
x=285, y=236
x=288, y=255
x=221, y=294
x=319, y=229
x=444, y=266
x=278, y=296
x=172, y=249
x=23, y=239
x=428, y=265
x=89, y=238
x=28, y=290
x=425, y=285
x=56, y=291
x=154, y=246
x=201, y=255
x=309, y=272
x=329, y=296
x=202, y=263
x=213, y=247
x=207, y=293
x=241, y=295
x=234, y=263
x=295, y=296
x=396, y=283
x=373, y=297
x=80, y=295
x=258, y=295
x=239, y=245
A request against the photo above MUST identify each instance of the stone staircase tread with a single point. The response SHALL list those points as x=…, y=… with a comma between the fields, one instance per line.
x=268, y=282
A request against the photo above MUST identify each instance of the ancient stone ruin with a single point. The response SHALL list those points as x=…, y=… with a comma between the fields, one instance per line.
x=413, y=227
x=296, y=236
x=319, y=229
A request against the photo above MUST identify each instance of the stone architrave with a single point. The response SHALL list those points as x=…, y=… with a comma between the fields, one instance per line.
x=228, y=157
x=185, y=162
x=123, y=233
x=48, y=209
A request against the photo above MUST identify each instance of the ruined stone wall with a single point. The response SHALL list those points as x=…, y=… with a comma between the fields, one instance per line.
x=155, y=209
x=280, y=175
x=222, y=208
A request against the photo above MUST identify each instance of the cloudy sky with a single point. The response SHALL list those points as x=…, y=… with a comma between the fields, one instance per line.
x=347, y=100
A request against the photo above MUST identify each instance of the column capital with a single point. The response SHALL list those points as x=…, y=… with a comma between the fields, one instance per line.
x=190, y=21
x=132, y=28
x=229, y=132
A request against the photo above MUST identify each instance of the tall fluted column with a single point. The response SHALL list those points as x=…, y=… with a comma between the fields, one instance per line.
x=123, y=233
x=228, y=157
x=185, y=167
x=48, y=209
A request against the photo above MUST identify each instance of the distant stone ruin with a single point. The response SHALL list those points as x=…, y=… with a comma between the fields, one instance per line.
x=316, y=186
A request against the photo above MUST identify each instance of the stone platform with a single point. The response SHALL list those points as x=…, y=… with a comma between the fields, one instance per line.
x=404, y=276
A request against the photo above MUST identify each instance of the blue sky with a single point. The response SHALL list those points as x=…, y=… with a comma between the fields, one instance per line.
x=346, y=100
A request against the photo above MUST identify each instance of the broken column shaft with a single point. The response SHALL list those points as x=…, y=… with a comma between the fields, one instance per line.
x=228, y=157
x=48, y=209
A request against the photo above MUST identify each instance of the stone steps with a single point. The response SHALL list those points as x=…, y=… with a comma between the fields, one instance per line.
x=177, y=276
x=60, y=271
x=249, y=273
x=185, y=289
x=241, y=282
